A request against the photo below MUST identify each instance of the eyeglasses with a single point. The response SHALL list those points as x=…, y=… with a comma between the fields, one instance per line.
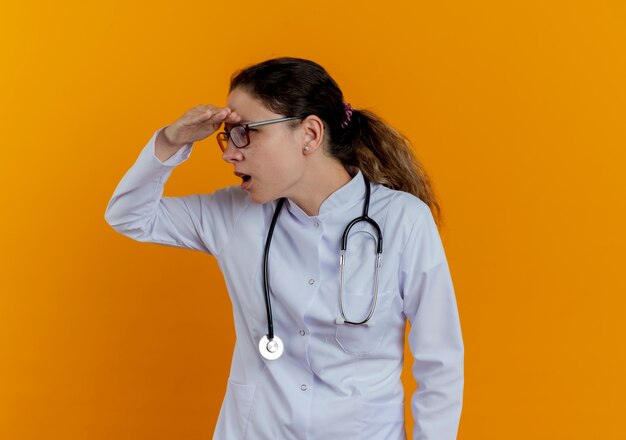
x=240, y=134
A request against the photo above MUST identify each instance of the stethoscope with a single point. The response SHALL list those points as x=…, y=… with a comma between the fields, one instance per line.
x=270, y=345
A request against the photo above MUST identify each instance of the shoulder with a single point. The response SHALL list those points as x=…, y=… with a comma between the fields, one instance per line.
x=402, y=205
x=231, y=194
x=230, y=202
x=409, y=223
x=235, y=203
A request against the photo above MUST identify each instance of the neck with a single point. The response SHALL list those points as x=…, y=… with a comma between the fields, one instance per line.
x=319, y=186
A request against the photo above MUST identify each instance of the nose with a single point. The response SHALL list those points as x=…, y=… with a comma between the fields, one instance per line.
x=232, y=153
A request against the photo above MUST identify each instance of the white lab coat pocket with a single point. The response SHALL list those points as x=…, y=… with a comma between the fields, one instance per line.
x=362, y=340
x=382, y=421
x=235, y=412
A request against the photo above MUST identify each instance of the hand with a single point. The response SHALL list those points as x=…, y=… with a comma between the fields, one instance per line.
x=199, y=123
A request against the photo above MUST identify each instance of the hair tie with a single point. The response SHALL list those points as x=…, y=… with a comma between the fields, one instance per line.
x=348, y=110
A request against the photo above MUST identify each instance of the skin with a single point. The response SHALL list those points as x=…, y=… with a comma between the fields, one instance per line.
x=276, y=159
x=195, y=125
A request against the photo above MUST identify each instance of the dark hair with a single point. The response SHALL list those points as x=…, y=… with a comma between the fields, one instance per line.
x=300, y=87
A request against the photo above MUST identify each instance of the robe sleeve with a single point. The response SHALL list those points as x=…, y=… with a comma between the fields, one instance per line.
x=137, y=208
x=435, y=338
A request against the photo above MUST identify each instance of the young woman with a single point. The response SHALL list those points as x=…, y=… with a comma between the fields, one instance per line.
x=320, y=301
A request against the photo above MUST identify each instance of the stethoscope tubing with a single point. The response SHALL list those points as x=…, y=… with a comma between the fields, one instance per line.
x=342, y=260
x=270, y=345
x=268, y=242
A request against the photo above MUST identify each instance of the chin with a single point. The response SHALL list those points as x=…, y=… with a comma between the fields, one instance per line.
x=255, y=198
x=262, y=199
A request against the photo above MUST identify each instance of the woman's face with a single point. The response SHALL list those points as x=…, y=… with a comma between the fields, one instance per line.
x=273, y=159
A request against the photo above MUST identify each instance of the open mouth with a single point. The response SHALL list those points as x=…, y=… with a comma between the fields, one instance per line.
x=245, y=179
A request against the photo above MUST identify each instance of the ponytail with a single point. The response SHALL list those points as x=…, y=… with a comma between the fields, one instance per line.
x=386, y=156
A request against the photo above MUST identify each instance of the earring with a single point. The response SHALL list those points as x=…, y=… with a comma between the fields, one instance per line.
x=306, y=148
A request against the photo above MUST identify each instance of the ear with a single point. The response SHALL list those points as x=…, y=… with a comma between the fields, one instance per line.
x=312, y=133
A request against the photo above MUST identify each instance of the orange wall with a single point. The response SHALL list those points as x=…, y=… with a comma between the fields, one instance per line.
x=516, y=108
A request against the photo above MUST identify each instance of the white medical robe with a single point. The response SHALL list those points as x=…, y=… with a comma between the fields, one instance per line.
x=333, y=380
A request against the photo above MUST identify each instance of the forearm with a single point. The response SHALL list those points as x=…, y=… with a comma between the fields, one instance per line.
x=163, y=147
x=133, y=201
x=437, y=403
x=438, y=352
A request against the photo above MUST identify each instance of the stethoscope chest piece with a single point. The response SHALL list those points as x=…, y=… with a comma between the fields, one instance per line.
x=271, y=349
